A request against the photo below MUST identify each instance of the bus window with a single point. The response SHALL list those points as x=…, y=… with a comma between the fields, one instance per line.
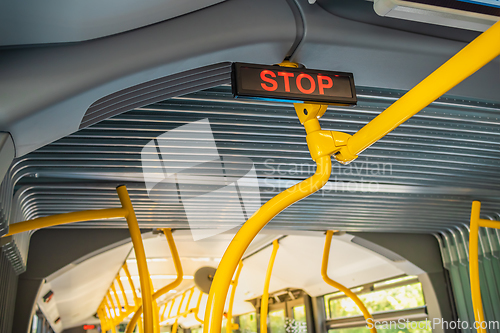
x=277, y=321
x=299, y=319
x=391, y=301
x=248, y=323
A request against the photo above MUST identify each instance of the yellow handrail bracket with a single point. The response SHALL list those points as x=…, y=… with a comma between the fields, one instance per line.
x=475, y=286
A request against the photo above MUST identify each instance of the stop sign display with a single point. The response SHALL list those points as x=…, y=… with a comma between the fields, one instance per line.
x=293, y=84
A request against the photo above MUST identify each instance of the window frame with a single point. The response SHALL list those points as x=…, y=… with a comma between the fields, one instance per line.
x=412, y=314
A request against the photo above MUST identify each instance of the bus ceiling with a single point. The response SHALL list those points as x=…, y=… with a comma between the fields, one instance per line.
x=48, y=88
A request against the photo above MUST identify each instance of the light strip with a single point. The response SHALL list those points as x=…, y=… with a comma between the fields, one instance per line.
x=129, y=261
x=160, y=277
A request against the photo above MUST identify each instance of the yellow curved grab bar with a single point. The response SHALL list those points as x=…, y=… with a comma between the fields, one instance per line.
x=475, y=286
x=265, y=295
x=229, y=325
x=347, y=291
x=471, y=58
x=240, y=242
x=167, y=288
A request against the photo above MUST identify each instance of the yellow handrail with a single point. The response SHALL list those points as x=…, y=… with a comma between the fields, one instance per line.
x=265, y=295
x=170, y=305
x=240, y=242
x=471, y=58
x=475, y=286
x=127, y=212
x=167, y=288
x=107, y=313
x=475, y=55
x=50, y=221
x=345, y=290
x=229, y=325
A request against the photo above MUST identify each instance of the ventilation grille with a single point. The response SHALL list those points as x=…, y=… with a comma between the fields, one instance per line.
x=157, y=90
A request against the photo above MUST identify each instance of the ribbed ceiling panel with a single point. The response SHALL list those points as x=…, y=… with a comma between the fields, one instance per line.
x=420, y=178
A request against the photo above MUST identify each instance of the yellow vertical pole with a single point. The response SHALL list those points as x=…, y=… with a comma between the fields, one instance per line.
x=265, y=295
x=156, y=323
x=111, y=321
x=475, y=286
x=185, y=313
x=345, y=290
x=137, y=301
x=230, y=326
x=112, y=306
x=131, y=283
x=156, y=315
x=163, y=313
x=140, y=325
x=140, y=255
x=174, y=327
x=102, y=318
x=122, y=290
x=197, y=309
x=170, y=310
x=106, y=308
x=118, y=304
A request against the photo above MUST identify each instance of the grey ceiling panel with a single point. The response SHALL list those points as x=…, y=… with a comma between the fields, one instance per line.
x=394, y=56
x=422, y=177
x=59, y=21
x=47, y=90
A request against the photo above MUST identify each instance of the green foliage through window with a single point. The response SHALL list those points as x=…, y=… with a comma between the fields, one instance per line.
x=248, y=323
x=277, y=321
